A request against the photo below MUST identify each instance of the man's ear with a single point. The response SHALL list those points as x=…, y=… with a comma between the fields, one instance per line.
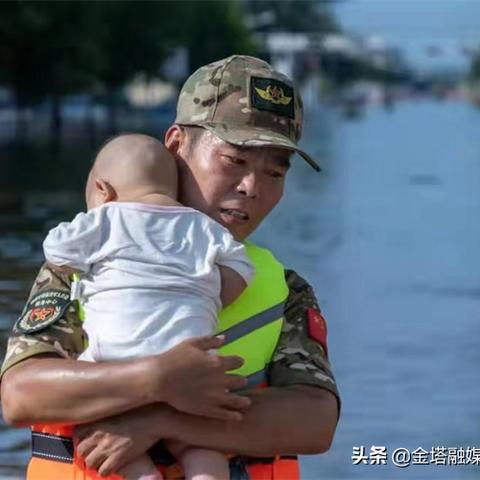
x=175, y=139
x=107, y=192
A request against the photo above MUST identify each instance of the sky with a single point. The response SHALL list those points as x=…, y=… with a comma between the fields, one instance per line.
x=416, y=26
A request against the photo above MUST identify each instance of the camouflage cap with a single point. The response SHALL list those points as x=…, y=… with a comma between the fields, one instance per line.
x=243, y=101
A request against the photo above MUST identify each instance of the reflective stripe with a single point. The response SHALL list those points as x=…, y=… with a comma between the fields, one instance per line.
x=253, y=323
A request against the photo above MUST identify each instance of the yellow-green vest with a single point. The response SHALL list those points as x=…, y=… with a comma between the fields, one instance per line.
x=252, y=324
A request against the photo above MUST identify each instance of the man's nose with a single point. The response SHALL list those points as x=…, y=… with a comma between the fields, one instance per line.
x=248, y=185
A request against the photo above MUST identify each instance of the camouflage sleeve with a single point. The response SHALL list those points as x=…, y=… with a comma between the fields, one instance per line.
x=301, y=353
x=48, y=324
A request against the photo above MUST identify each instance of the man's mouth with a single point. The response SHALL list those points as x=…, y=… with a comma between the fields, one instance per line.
x=235, y=214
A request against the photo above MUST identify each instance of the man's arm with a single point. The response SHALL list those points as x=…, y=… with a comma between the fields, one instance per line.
x=41, y=381
x=291, y=421
x=276, y=423
x=301, y=355
x=45, y=388
x=38, y=385
x=188, y=377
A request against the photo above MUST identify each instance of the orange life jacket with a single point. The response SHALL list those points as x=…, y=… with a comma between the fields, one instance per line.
x=54, y=458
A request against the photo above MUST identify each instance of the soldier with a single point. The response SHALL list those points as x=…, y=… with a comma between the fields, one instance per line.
x=238, y=122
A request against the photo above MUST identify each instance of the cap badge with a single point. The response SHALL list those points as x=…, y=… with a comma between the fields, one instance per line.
x=274, y=94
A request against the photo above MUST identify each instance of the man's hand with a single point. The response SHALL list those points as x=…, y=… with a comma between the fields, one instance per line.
x=108, y=445
x=194, y=380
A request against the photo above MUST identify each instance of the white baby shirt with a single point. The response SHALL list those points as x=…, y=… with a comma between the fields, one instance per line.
x=150, y=275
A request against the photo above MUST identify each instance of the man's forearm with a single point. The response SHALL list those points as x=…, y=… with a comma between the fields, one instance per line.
x=188, y=377
x=293, y=420
x=69, y=391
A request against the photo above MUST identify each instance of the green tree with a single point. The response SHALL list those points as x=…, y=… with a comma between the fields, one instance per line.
x=133, y=40
x=48, y=50
x=136, y=36
x=51, y=49
x=210, y=29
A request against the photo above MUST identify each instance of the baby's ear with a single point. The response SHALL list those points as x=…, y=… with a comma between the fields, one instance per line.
x=107, y=192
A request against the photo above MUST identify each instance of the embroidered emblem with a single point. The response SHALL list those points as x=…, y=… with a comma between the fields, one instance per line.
x=274, y=94
x=43, y=310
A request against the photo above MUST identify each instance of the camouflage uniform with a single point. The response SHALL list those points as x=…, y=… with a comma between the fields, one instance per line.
x=243, y=101
x=298, y=359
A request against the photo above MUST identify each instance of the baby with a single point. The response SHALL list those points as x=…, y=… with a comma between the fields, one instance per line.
x=154, y=272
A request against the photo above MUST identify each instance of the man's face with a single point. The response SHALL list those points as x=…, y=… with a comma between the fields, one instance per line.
x=235, y=186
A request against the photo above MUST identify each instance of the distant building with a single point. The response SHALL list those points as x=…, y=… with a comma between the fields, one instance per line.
x=284, y=49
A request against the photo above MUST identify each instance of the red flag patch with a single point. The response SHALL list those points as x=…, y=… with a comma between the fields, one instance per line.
x=317, y=328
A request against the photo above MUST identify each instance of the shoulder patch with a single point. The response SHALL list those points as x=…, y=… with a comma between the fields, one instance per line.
x=43, y=310
x=317, y=328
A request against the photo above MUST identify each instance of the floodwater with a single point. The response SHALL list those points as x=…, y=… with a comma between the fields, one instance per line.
x=388, y=234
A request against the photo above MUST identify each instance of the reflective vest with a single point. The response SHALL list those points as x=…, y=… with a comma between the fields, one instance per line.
x=252, y=326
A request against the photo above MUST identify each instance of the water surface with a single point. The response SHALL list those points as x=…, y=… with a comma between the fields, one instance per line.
x=389, y=237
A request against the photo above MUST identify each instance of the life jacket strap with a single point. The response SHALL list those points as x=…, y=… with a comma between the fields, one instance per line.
x=52, y=447
x=59, y=448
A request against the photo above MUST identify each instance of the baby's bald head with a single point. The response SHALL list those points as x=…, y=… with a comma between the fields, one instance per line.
x=130, y=166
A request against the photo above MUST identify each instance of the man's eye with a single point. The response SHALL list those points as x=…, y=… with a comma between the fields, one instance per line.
x=276, y=174
x=235, y=160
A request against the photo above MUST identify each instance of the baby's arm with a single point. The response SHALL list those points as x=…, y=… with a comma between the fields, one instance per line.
x=236, y=269
x=233, y=284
